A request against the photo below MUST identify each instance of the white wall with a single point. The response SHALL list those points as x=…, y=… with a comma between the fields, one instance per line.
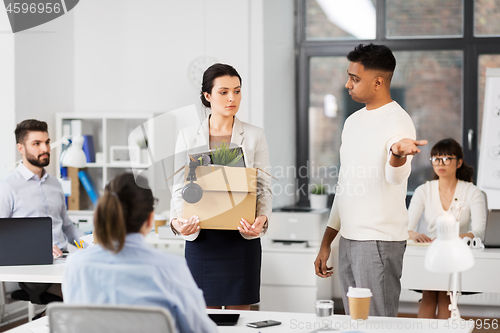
x=133, y=56
x=279, y=95
x=7, y=96
x=44, y=80
x=138, y=60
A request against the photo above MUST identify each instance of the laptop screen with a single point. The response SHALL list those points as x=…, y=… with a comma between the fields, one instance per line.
x=492, y=233
x=25, y=241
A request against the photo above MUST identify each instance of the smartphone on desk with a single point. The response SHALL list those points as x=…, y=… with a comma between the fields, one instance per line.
x=264, y=323
x=62, y=256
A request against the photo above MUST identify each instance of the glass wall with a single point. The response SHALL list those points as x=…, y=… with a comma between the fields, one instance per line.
x=424, y=18
x=333, y=19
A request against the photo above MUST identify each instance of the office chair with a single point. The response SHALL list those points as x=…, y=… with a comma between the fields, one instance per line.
x=64, y=318
x=34, y=295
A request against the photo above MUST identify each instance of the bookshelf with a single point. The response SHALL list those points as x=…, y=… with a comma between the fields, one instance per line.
x=110, y=132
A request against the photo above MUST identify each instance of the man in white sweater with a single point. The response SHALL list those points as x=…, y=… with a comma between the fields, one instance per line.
x=378, y=143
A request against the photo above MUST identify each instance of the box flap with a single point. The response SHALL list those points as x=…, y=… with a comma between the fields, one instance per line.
x=227, y=179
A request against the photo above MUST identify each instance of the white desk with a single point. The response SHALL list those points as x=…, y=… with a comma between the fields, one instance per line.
x=54, y=273
x=34, y=273
x=302, y=323
x=153, y=239
x=482, y=277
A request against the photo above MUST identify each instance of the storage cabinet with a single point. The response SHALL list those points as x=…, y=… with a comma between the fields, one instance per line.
x=289, y=282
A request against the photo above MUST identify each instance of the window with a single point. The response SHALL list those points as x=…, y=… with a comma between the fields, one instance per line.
x=486, y=18
x=332, y=19
x=442, y=49
x=424, y=18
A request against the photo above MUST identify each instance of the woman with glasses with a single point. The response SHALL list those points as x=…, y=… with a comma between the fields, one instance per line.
x=122, y=269
x=450, y=191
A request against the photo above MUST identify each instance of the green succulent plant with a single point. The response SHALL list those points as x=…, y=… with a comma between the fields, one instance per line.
x=318, y=189
x=223, y=155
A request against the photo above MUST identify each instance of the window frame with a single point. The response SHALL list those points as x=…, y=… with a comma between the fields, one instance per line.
x=471, y=46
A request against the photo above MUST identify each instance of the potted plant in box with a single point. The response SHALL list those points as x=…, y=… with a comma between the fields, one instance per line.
x=223, y=155
x=318, y=196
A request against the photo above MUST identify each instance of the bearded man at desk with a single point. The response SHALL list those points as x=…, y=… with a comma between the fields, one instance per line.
x=31, y=192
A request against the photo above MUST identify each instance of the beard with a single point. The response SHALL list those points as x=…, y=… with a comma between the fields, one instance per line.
x=41, y=161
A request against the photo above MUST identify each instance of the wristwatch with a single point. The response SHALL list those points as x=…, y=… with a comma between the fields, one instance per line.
x=398, y=156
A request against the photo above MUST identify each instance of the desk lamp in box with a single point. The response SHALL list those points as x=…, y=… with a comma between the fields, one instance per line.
x=73, y=155
x=449, y=254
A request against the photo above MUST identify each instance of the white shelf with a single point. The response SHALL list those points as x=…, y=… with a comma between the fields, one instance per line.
x=107, y=130
x=127, y=165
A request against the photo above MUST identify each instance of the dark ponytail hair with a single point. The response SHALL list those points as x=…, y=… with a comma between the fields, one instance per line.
x=451, y=147
x=213, y=72
x=122, y=209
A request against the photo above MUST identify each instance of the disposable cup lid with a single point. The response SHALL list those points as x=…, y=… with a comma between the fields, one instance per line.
x=359, y=292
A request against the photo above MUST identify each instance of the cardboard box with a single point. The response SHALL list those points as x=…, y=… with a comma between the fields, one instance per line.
x=229, y=194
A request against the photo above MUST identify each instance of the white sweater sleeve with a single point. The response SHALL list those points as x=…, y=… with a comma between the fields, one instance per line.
x=396, y=175
x=334, y=219
x=478, y=214
x=401, y=128
x=417, y=206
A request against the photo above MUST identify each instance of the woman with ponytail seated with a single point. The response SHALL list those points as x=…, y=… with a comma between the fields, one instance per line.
x=122, y=269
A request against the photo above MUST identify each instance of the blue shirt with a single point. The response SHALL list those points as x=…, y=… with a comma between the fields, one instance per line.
x=137, y=275
x=24, y=194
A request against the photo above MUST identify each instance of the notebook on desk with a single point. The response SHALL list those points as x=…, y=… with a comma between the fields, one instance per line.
x=492, y=232
x=25, y=241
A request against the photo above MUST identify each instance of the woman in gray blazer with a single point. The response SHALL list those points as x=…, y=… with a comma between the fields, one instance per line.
x=225, y=264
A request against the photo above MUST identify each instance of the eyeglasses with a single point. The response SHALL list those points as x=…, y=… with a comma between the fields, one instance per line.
x=437, y=160
x=155, y=202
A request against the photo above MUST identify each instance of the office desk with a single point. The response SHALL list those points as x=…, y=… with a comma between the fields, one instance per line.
x=34, y=273
x=482, y=277
x=302, y=323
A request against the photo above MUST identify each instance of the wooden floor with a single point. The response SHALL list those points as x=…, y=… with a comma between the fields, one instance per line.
x=12, y=325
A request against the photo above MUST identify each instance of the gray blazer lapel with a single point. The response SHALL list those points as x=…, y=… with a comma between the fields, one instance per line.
x=237, y=137
x=202, y=136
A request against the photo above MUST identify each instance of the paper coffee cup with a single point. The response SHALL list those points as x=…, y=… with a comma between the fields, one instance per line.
x=159, y=221
x=359, y=302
